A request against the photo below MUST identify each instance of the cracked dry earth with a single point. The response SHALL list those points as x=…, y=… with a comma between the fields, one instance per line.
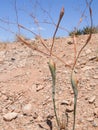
x=25, y=86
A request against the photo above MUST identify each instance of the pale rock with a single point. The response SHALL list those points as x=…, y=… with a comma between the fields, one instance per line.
x=90, y=119
x=71, y=92
x=10, y=116
x=95, y=76
x=92, y=99
x=66, y=102
x=88, y=51
x=92, y=57
x=69, y=109
x=27, y=109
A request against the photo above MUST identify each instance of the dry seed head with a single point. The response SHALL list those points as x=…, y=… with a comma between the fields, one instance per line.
x=62, y=12
x=74, y=78
x=52, y=64
x=80, y=20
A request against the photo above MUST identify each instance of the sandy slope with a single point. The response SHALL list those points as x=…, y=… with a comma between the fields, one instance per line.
x=25, y=86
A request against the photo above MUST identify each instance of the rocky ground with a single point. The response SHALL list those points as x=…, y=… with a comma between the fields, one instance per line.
x=25, y=86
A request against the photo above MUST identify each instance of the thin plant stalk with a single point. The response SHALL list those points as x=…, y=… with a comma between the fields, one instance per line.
x=52, y=68
x=74, y=87
x=59, y=20
x=73, y=77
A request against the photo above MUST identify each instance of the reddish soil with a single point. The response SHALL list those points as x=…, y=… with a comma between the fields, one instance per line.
x=25, y=86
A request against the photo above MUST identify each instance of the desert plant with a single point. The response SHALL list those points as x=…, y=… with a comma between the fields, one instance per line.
x=87, y=30
x=52, y=65
x=77, y=32
x=52, y=68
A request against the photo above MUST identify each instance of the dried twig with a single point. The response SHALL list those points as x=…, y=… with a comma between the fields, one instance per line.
x=43, y=43
x=30, y=46
x=59, y=20
x=89, y=37
x=73, y=76
x=17, y=21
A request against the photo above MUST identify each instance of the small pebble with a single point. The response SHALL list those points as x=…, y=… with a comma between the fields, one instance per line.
x=69, y=109
x=92, y=99
x=90, y=119
x=10, y=116
x=27, y=109
x=65, y=102
x=88, y=51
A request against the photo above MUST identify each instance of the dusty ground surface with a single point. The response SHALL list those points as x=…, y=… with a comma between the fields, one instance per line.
x=25, y=86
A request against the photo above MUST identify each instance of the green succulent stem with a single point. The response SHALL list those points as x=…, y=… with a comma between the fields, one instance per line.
x=53, y=74
x=74, y=87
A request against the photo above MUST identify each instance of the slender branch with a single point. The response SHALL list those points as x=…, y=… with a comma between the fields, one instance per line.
x=89, y=37
x=17, y=16
x=52, y=68
x=59, y=20
x=6, y=21
x=45, y=11
x=43, y=43
x=35, y=21
x=74, y=87
x=30, y=46
x=83, y=14
x=73, y=76
x=60, y=27
x=8, y=30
